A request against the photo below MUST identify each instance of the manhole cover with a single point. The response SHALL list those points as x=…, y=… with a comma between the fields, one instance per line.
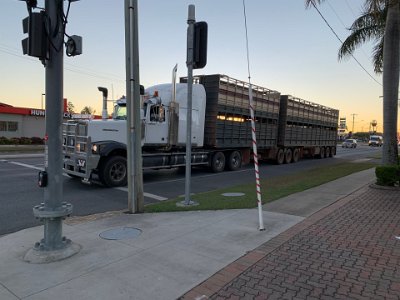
x=120, y=233
x=233, y=194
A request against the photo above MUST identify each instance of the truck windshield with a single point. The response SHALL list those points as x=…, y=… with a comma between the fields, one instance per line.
x=120, y=112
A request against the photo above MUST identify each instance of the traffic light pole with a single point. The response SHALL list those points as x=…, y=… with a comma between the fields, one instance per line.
x=52, y=211
x=190, y=37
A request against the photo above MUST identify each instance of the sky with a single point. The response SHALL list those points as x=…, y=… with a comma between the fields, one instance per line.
x=291, y=50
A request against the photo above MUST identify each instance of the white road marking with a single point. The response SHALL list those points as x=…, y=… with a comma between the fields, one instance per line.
x=26, y=166
x=148, y=195
x=124, y=189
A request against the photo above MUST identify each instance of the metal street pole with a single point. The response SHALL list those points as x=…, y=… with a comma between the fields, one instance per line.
x=190, y=44
x=134, y=137
x=52, y=211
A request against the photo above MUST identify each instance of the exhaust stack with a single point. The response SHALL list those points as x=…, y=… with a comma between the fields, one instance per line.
x=104, y=114
x=173, y=113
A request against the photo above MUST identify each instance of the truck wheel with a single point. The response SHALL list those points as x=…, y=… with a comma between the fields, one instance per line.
x=280, y=157
x=218, y=162
x=296, y=155
x=321, y=152
x=113, y=171
x=328, y=152
x=333, y=151
x=234, y=161
x=288, y=156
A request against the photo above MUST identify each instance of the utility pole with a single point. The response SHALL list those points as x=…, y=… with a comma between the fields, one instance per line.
x=134, y=138
x=52, y=211
x=352, y=128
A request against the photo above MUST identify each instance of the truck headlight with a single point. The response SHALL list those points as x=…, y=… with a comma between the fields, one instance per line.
x=95, y=149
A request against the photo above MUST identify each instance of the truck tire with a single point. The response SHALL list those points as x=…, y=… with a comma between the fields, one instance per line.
x=113, y=171
x=333, y=151
x=321, y=152
x=328, y=152
x=280, y=156
x=218, y=162
x=234, y=161
x=296, y=155
x=288, y=156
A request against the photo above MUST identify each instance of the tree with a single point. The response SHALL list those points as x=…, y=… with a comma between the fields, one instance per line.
x=391, y=69
x=87, y=110
x=369, y=26
x=70, y=107
x=380, y=21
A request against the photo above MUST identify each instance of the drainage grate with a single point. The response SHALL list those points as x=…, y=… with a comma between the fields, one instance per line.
x=120, y=233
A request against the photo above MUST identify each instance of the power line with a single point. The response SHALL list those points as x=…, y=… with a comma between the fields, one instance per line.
x=336, y=14
x=80, y=70
x=341, y=21
x=348, y=5
x=340, y=40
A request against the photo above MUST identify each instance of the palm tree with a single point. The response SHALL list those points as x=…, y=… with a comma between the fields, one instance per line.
x=369, y=26
x=381, y=22
x=391, y=69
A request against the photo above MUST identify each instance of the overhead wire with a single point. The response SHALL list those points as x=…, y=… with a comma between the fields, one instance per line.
x=340, y=40
x=348, y=5
x=72, y=68
x=346, y=27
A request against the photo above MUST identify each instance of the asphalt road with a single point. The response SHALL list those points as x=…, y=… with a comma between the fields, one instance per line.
x=19, y=191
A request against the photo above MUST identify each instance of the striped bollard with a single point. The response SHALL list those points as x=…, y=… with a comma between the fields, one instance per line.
x=255, y=158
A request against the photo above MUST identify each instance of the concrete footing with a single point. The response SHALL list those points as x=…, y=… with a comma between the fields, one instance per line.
x=36, y=256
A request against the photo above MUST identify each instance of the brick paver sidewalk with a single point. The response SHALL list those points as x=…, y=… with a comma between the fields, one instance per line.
x=348, y=250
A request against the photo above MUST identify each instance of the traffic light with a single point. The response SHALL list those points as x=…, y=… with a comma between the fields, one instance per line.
x=36, y=44
x=200, y=45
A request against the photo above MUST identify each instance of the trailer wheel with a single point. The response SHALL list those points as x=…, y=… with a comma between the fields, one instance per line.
x=234, y=161
x=321, y=152
x=288, y=156
x=280, y=157
x=333, y=151
x=218, y=162
x=113, y=171
x=296, y=155
x=328, y=152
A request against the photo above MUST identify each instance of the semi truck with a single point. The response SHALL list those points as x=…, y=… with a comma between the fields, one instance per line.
x=287, y=129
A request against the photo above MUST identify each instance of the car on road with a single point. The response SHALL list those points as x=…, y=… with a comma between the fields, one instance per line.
x=349, y=143
x=375, y=141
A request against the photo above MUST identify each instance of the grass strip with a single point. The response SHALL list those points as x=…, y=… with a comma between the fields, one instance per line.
x=4, y=149
x=271, y=189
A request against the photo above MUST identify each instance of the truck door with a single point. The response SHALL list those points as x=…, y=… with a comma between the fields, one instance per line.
x=156, y=124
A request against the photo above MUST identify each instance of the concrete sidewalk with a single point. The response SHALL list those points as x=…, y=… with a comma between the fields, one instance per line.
x=347, y=250
x=174, y=253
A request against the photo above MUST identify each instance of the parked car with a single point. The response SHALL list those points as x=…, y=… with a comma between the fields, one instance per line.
x=375, y=140
x=349, y=143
